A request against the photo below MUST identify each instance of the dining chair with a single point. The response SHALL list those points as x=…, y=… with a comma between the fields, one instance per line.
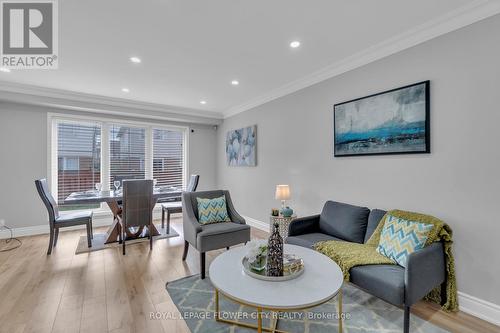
x=137, y=208
x=57, y=220
x=176, y=206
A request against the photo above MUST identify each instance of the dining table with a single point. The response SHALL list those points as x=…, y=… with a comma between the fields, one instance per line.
x=113, y=198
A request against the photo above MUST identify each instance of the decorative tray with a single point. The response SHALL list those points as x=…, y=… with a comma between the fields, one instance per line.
x=293, y=267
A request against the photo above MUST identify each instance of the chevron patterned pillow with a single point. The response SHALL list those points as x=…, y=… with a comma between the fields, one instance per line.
x=401, y=237
x=212, y=210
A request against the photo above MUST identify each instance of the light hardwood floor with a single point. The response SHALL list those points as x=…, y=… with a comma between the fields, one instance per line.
x=107, y=292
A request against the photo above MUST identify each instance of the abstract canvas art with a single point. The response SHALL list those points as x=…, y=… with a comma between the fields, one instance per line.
x=392, y=122
x=241, y=146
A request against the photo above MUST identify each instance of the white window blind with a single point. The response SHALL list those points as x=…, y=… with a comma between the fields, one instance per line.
x=127, y=148
x=78, y=160
x=168, y=157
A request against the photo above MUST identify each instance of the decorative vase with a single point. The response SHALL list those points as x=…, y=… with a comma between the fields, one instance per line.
x=274, y=264
x=287, y=212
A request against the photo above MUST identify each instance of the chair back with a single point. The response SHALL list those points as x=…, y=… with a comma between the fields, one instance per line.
x=137, y=202
x=193, y=183
x=47, y=198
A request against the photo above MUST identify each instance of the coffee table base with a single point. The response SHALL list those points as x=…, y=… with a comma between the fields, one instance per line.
x=259, y=326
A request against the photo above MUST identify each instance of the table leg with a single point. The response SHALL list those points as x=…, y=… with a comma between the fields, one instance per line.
x=259, y=320
x=216, y=305
x=115, y=229
x=340, y=311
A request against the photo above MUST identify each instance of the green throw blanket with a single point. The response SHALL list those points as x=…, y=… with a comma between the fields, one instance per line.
x=348, y=255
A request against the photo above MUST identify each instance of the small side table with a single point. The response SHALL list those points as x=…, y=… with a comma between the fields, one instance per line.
x=284, y=222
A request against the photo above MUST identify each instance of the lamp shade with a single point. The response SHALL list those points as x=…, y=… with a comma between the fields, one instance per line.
x=282, y=192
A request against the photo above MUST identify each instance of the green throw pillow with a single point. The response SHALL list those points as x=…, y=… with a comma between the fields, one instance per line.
x=401, y=237
x=212, y=210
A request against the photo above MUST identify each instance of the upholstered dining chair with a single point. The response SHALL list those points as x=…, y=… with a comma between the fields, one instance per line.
x=176, y=206
x=208, y=237
x=137, y=208
x=57, y=220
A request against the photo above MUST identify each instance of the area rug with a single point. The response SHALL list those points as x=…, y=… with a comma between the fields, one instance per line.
x=364, y=313
x=98, y=242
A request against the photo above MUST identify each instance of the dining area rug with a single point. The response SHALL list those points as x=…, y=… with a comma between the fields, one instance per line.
x=364, y=313
x=98, y=242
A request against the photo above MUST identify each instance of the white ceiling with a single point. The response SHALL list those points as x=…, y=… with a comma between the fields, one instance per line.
x=191, y=50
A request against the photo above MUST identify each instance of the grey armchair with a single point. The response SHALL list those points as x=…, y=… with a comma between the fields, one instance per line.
x=57, y=221
x=208, y=237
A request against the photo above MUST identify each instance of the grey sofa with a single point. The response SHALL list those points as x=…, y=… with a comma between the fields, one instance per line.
x=395, y=284
x=213, y=236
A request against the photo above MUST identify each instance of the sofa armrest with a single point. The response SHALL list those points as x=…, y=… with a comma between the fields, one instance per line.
x=425, y=270
x=303, y=225
x=190, y=224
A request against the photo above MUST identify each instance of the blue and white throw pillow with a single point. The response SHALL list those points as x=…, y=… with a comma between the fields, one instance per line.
x=212, y=210
x=400, y=238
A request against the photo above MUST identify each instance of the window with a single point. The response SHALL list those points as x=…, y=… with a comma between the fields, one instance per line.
x=85, y=151
x=127, y=153
x=78, y=159
x=168, y=157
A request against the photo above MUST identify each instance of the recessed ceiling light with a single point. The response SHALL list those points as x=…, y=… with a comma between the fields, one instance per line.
x=135, y=60
x=235, y=82
x=295, y=44
x=4, y=69
x=203, y=102
x=126, y=90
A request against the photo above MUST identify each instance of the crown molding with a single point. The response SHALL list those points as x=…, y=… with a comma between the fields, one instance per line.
x=459, y=18
x=70, y=100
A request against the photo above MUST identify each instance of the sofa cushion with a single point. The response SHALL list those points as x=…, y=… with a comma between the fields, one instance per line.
x=384, y=281
x=374, y=219
x=308, y=240
x=344, y=221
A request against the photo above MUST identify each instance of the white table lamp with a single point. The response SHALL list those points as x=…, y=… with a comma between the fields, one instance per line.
x=283, y=194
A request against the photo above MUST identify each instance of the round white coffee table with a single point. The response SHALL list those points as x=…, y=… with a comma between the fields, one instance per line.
x=321, y=281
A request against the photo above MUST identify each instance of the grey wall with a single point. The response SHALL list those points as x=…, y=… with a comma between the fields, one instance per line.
x=459, y=182
x=23, y=158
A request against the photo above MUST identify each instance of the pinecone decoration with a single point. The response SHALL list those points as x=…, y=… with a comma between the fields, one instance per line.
x=275, y=253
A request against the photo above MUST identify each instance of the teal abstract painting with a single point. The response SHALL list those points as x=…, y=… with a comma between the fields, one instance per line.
x=241, y=146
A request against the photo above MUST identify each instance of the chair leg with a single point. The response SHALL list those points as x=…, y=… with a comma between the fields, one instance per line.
x=186, y=248
x=228, y=247
x=51, y=241
x=150, y=237
x=123, y=239
x=56, y=236
x=406, y=328
x=163, y=218
x=202, y=265
x=89, y=235
x=91, y=230
x=168, y=221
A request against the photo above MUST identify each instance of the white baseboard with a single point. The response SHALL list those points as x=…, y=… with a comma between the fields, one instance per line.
x=479, y=308
x=474, y=306
x=257, y=224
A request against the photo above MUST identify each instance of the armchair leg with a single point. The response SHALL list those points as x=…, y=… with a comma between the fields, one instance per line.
x=444, y=295
x=150, y=237
x=163, y=218
x=186, y=248
x=202, y=265
x=406, y=327
x=56, y=236
x=51, y=241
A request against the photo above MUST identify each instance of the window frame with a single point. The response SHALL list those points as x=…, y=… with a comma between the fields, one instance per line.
x=105, y=122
